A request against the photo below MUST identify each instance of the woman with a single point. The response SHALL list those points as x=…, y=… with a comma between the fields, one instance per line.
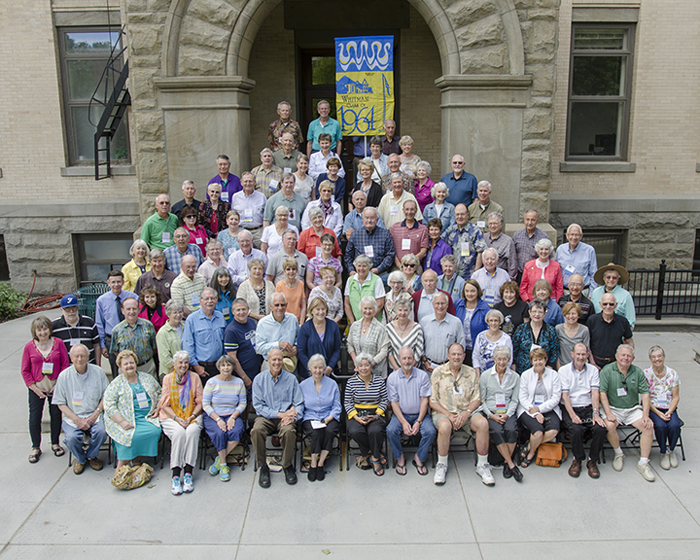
x=449, y=281
x=293, y=289
x=543, y=290
x=664, y=391
x=310, y=239
x=365, y=404
x=151, y=306
x=471, y=310
x=213, y=212
x=136, y=266
x=169, y=338
x=330, y=210
x=321, y=406
x=224, y=402
x=180, y=409
x=439, y=209
x=221, y=282
x=438, y=247
x=538, y=406
x=198, y=235
x=424, y=185
x=324, y=259
x=271, y=240
x=131, y=411
x=545, y=268
x=403, y=331
x=334, y=177
x=303, y=183
x=515, y=311
x=329, y=292
x=256, y=290
x=410, y=266
x=42, y=360
x=319, y=336
x=409, y=161
x=537, y=332
x=486, y=342
x=372, y=189
x=500, y=389
x=363, y=283
x=368, y=336
x=229, y=237
x=397, y=285
x=571, y=333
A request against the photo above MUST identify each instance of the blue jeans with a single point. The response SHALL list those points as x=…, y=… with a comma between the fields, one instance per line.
x=427, y=435
x=74, y=441
x=670, y=430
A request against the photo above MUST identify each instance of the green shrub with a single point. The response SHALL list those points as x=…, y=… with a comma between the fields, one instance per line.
x=10, y=301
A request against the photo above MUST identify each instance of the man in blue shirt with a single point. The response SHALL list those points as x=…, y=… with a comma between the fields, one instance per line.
x=203, y=336
x=182, y=247
x=353, y=219
x=462, y=185
x=239, y=343
x=279, y=330
x=576, y=257
x=230, y=183
x=324, y=123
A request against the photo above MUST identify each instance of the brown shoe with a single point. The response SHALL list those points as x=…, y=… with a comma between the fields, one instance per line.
x=95, y=464
x=78, y=468
x=575, y=468
x=593, y=471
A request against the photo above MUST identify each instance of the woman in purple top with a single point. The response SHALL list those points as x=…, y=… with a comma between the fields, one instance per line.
x=438, y=247
x=423, y=185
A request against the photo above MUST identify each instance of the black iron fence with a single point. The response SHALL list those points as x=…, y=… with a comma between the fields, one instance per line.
x=665, y=292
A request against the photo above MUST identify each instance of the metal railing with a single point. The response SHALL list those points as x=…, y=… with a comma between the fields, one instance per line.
x=665, y=292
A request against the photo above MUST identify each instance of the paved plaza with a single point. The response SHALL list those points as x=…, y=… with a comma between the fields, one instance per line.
x=48, y=512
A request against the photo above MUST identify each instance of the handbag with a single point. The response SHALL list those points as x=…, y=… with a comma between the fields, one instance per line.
x=128, y=478
x=550, y=455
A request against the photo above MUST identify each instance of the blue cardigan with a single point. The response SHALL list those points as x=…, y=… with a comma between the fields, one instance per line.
x=478, y=322
x=309, y=343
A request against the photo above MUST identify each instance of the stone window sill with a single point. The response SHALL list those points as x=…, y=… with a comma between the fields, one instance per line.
x=89, y=171
x=597, y=167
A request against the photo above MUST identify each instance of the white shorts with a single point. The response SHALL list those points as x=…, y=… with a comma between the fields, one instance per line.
x=627, y=416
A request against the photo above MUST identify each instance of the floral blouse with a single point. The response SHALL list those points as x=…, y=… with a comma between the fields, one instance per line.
x=119, y=399
x=662, y=389
x=206, y=212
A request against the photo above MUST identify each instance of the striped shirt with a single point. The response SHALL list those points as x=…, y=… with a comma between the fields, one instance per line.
x=359, y=397
x=224, y=397
x=85, y=332
x=414, y=339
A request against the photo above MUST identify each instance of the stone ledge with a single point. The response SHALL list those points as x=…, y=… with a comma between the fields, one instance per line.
x=63, y=208
x=483, y=81
x=80, y=171
x=610, y=203
x=203, y=83
x=597, y=167
x=598, y=14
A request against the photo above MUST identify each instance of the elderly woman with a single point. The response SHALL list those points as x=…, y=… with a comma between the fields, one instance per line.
x=330, y=210
x=423, y=185
x=213, y=212
x=169, y=338
x=329, y=292
x=537, y=332
x=365, y=404
x=364, y=283
x=515, y=311
x=571, y=333
x=197, y=233
x=664, y=391
x=42, y=360
x=449, y=281
x=409, y=160
x=438, y=247
x=318, y=336
x=368, y=336
x=487, y=341
x=499, y=388
x=293, y=289
x=226, y=293
x=321, y=406
x=372, y=189
x=136, y=266
x=151, y=306
x=310, y=239
x=325, y=258
x=471, y=310
x=397, y=286
x=538, y=407
x=229, y=237
x=224, y=402
x=271, y=241
x=410, y=266
x=304, y=183
x=440, y=209
x=256, y=290
x=543, y=290
x=545, y=268
x=180, y=409
x=131, y=411
x=403, y=331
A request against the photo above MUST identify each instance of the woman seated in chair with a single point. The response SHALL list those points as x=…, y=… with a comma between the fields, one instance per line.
x=321, y=414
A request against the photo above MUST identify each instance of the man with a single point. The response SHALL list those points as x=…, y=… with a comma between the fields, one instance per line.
x=393, y=162
x=275, y=268
x=611, y=276
x=279, y=330
x=495, y=238
x=440, y=330
x=409, y=236
x=377, y=159
x=491, y=277
x=203, y=336
x=353, y=219
x=159, y=228
x=250, y=205
x=467, y=242
x=462, y=185
x=137, y=335
x=108, y=313
x=159, y=277
x=279, y=404
x=576, y=257
x=230, y=184
x=73, y=329
x=286, y=158
x=580, y=393
x=423, y=298
x=621, y=385
x=607, y=331
x=188, y=191
x=267, y=174
x=575, y=295
x=454, y=400
x=188, y=286
x=525, y=239
x=285, y=197
x=215, y=259
x=391, y=206
x=238, y=261
x=324, y=124
x=371, y=241
x=284, y=125
x=390, y=142
x=175, y=253
x=239, y=343
x=480, y=210
x=78, y=394
x=408, y=389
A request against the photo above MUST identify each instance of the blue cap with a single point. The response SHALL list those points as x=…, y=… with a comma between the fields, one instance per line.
x=69, y=300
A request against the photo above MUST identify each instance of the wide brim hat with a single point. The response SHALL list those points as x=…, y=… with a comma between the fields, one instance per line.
x=621, y=270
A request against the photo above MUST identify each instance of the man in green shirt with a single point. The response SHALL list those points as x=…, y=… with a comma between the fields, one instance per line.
x=158, y=230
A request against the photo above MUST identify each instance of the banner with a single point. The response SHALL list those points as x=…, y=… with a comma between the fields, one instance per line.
x=364, y=84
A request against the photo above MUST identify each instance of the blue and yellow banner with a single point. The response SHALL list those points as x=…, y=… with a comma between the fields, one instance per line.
x=364, y=84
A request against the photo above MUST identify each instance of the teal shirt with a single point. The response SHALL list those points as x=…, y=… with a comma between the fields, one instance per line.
x=635, y=382
x=153, y=228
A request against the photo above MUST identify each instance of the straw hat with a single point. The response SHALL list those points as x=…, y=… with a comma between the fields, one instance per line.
x=621, y=270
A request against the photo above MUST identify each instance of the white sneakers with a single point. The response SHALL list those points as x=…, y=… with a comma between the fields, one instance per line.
x=484, y=471
x=646, y=472
x=668, y=460
x=618, y=461
x=440, y=472
x=177, y=486
x=673, y=459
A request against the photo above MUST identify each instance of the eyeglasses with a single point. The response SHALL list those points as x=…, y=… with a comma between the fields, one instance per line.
x=410, y=265
x=608, y=304
x=457, y=163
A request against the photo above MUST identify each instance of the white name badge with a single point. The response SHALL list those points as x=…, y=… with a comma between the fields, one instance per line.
x=500, y=402
x=224, y=196
x=570, y=269
x=405, y=244
x=142, y=400
x=47, y=368
x=534, y=346
x=287, y=170
x=539, y=399
x=273, y=184
x=74, y=341
x=198, y=240
x=394, y=210
x=165, y=237
x=481, y=224
x=318, y=251
x=465, y=249
x=488, y=298
x=661, y=402
x=195, y=299
x=224, y=312
x=457, y=390
x=247, y=215
x=77, y=399
x=369, y=251
x=621, y=392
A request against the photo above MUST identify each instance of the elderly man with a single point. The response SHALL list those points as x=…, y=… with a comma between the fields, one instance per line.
x=393, y=162
x=576, y=257
x=621, y=386
x=491, y=277
x=408, y=389
x=480, y=210
x=390, y=142
x=188, y=192
x=391, y=206
x=286, y=158
x=607, y=330
x=409, y=236
x=238, y=261
x=284, y=125
x=324, y=124
x=423, y=298
x=440, y=330
x=161, y=278
x=182, y=247
x=278, y=404
x=275, y=268
x=188, y=286
x=158, y=229
x=285, y=197
x=267, y=174
x=239, y=343
x=454, y=400
x=377, y=159
x=137, y=335
x=495, y=238
x=230, y=184
x=374, y=242
x=73, y=329
x=250, y=205
x=461, y=185
x=610, y=277
x=353, y=219
x=215, y=259
x=525, y=240
x=78, y=394
x=108, y=313
x=580, y=393
x=279, y=329
x=203, y=336
x=575, y=295
x=467, y=242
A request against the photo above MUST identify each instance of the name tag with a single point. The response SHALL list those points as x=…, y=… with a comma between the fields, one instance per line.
x=501, y=403
x=405, y=244
x=621, y=392
x=318, y=251
x=481, y=224
x=224, y=196
x=287, y=170
x=369, y=251
x=394, y=210
x=488, y=298
x=47, y=368
x=142, y=400
x=662, y=402
x=198, y=240
x=570, y=269
x=74, y=341
x=534, y=346
x=273, y=184
x=539, y=399
x=195, y=300
x=77, y=399
x=225, y=313
x=165, y=237
x=457, y=390
x=465, y=249
x=247, y=215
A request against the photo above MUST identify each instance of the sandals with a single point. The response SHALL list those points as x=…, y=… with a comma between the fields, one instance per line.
x=377, y=467
x=524, y=461
x=382, y=460
x=401, y=469
x=58, y=451
x=362, y=462
x=421, y=469
x=34, y=455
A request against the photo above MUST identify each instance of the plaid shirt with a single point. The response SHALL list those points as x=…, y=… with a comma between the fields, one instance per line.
x=525, y=246
x=173, y=257
x=278, y=128
x=264, y=178
x=466, y=244
x=140, y=339
x=507, y=257
x=382, y=248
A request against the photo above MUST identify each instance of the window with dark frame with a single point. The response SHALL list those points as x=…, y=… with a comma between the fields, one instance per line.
x=98, y=253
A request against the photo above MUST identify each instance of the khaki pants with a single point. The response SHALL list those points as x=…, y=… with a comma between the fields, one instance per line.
x=262, y=428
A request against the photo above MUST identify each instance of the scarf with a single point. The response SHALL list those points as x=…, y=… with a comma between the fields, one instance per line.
x=327, y=208
x=181, y=399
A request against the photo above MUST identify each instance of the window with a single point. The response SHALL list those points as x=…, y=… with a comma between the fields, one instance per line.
x=608, y=244
x=84, y=54
x=600, y=81
x=99, y=253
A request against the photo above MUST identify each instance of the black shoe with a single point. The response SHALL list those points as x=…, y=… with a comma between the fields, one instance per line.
x=311, y=474
x=264, y=479
x=517, y=475
x=507, y=473
x=289, y=475
x=320, y=473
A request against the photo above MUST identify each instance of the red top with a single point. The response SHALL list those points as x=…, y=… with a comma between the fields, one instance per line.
x=198, y=237
x=308, y=241
x=33, y=362
x=158, y=319
x=532, y=274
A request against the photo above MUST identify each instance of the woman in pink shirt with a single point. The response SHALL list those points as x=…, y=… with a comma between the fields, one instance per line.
x=198, y=235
